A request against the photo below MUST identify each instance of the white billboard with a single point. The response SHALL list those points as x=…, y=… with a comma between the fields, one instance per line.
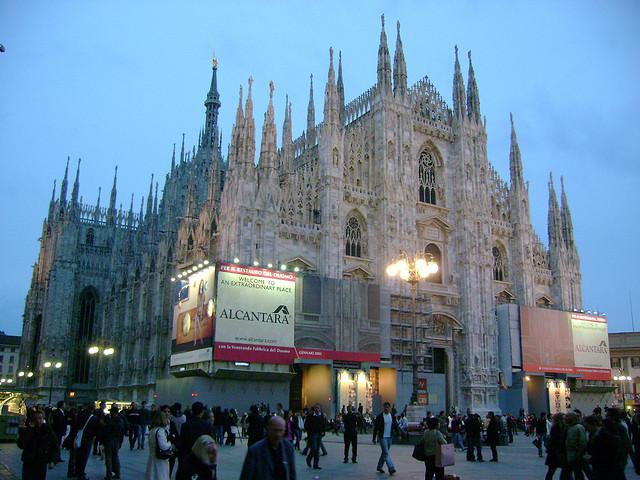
x=255, y=314
x=590, y=344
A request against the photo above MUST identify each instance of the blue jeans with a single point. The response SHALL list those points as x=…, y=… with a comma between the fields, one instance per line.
x=314, y=449
x=219, y=434
x=385, y=457
x=141, y=431
x=457, y=441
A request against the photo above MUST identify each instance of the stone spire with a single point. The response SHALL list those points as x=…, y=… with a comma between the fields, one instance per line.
x=384, y=63
x=473, y=97
x=287, y=138
x=214, y=181
x=191, y=193
x=340, y=87
x=112, y=198
x=311, y=117
x=268, y=145
x=459, y=101
x=63, y=188
x=515, y=160
x=76, y=186
x=182, y=150
x=130, y=214
x=399, y=68
x=141, y=214
x=155, y=201
x=249, y=133
x=565, y=217
x=52, y=202
x=96, y=210
x=212, y=105
x=149, y=200
x=554, y=225
x=331, y=111
x=173, y=158
x=236, y=146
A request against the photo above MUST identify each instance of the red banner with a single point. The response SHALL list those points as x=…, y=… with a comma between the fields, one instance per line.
x=241, y=352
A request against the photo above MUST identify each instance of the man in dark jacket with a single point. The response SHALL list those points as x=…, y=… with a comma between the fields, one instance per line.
x=493, y=436
x=192, y=429
x=87, y=428
x=315, y=427
x=384, y=427
x=58, y=422
x=133, y=419
x=39, y=446
x=111, y=437
x=255, y=428
x=541, y=432
x=350, y=420
x=473, y=427
x=271, y=458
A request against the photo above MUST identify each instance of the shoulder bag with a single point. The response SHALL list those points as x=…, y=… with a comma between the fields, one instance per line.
x=161, y=454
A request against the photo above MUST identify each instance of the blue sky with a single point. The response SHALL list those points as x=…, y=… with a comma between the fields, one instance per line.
x=117, y=83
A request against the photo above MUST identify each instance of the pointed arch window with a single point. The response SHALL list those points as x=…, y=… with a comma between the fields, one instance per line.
x=354, y=238
x=499, y=265
x=190, y=242
x=427, y=178
x=84, y=334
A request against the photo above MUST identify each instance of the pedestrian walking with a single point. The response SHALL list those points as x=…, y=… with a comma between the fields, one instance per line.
x=111, y=437
x=133, y=419
x=432, y=438
x=556, y=455
x=201, y=463
x=40, y=447
x=575, y=445
x=473, y=427
x=384, y=426
x=493, y=436
x=145, y=419
x=58, y=422
x=192, y=429
x=457, y=427
x=255, y=426
x=172, y=435
x=87, y=428
x=271, y=458
x=315, y=427
x=157, y=462
x=350, y=421
x=541, y=432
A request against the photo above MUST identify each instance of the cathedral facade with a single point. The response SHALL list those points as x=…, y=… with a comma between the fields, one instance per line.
x=394, y=170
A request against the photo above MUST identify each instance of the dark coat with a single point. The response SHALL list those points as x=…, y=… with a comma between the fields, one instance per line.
x=314, y=424
x=255, y=428
x=556, y=455
x=58, y=421
x=492, y=432
x=350, y=423
x=378, y=426
x=473, y=427
x=39, y=444
x=258, y=464
x=191, y=430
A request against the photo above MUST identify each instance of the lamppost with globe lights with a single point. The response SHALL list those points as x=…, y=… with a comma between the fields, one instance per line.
x=101, y=351
x=412, y=270
x=622, y=379
x=51, y=367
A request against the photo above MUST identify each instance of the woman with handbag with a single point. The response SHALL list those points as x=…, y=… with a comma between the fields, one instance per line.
x=431, y=439
x=160, y=449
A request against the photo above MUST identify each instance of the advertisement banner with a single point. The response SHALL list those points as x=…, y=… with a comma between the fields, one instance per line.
x=591, y=346
x=554, y=341
x=255, y=314
x=193, y=318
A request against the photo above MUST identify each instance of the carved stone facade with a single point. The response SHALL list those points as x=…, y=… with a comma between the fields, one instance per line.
x=396, y=169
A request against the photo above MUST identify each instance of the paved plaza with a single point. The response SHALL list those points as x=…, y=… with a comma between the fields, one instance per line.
x=519, y=460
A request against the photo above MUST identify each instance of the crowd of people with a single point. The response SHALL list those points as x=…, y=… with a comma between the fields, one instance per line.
x=186, y=442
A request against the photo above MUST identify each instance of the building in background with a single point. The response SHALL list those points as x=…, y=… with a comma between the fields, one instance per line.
x=9, y=355
x=396, y=169
x=625, y=367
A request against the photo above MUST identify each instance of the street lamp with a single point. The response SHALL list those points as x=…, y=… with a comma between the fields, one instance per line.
x=47, y=365
x=107, y=351
x=412, y=270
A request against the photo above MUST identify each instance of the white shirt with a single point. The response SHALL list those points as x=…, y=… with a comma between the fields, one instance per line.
x=388, y=421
